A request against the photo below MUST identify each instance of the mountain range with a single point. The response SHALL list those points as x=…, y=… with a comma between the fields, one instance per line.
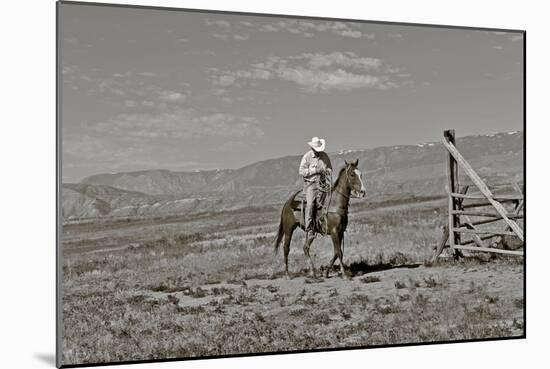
x=405, y=170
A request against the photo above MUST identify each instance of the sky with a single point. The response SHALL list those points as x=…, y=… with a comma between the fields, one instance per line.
x=149, y=89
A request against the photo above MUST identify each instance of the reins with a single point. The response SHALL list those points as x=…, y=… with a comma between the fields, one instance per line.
x=340, y=210
x=347, y=180
x=343, y=194
x=326, y=186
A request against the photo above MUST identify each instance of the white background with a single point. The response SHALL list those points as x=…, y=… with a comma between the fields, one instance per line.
x=27, y=182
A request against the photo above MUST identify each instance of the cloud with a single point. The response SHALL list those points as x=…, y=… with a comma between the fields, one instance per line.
x=172, y=96
x=231, y=146
x=178, y=123
x=242, y=30
x=89, y=153
x=127, y=89
x=224, y=80
x=240, y=37
x=217, y=22
x=316, y=72
x=221, y=36
x=71, y=40
x=351, y=33
x=344, y=29
x=223, y=28
x=83, y=145
x=318, y=80
x=225, y=125
x=148, y=74
x=69, y=70
x=110, y=86
x=269, y=28
x=307, y=28
x=512, y=36
x=341, y=59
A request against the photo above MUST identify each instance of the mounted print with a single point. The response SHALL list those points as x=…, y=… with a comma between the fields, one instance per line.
x=242, y=184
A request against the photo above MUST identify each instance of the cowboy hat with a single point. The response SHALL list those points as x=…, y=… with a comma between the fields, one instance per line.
x=317, y=144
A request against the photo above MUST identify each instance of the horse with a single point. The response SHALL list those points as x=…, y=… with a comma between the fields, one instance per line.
x=348, y=184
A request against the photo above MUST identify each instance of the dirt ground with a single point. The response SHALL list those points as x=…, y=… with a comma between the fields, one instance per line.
x=210, y=285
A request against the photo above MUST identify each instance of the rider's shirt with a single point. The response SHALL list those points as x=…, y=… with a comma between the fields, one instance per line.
x=312, y=166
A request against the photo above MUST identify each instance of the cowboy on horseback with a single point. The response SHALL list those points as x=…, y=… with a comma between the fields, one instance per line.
x=316, y=170
x=348, y=185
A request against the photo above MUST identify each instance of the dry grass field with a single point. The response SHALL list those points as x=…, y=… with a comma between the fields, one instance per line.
x=210, y=285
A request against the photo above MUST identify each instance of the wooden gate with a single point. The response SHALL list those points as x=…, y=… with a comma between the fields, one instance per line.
x=468, y=213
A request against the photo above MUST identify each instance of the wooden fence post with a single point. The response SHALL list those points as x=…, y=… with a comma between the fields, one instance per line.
x=452, y=186
x=456, y=207
x=482, y=187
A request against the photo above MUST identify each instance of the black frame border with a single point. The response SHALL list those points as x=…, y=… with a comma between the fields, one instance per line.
x=58, y=184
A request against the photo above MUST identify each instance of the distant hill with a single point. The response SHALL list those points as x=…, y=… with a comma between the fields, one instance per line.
x=415, y=170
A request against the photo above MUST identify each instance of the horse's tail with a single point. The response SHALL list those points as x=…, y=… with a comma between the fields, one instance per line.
x=280, y=232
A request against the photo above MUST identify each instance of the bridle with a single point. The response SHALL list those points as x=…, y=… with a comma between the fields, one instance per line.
x=339, y=209
x=351, y=191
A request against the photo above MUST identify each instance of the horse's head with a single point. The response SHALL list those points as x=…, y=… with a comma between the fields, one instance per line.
x=355, y=180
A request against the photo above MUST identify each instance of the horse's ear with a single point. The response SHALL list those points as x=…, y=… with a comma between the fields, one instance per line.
x=346, y=162
x=356, y=162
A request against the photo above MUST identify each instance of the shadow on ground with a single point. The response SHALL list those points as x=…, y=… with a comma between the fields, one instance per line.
x=362, y=267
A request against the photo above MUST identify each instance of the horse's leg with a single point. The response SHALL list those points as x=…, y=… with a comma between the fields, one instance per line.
x=336, y=241
x=286, y=248
x=331, y=264
x=307, y=245
x=335, y=256
x=341, y=237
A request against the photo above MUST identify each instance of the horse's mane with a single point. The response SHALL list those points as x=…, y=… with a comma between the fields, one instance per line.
x=339, y=177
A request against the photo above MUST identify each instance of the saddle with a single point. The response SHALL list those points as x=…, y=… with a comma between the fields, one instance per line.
x=320, y=215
